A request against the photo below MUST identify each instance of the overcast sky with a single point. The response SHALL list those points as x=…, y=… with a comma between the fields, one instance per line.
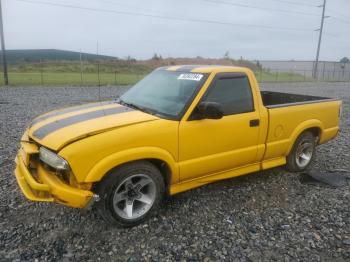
x=33, y=25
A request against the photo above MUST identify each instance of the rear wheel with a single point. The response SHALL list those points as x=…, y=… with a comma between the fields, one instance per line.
x=302, y=153
x=130, y=194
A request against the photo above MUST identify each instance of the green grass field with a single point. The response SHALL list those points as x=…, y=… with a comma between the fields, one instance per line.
x=63, y=78
x=111, y=72
x=55, y=79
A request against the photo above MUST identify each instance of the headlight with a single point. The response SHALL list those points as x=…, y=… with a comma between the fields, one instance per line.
x=52, y=159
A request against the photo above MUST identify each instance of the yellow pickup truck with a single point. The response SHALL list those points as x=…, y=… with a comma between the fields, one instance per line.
x=179, y=128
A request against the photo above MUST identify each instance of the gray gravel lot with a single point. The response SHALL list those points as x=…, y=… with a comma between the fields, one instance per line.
x=265, y=216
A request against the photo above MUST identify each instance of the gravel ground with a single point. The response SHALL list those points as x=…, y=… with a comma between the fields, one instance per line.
x=265, y=216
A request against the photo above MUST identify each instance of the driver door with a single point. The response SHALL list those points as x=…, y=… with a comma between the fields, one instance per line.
x=210, y=146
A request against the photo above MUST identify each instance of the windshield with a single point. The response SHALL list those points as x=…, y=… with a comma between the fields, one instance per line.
x=165, y=93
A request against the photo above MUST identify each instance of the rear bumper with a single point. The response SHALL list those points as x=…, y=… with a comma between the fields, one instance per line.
x=48, y=187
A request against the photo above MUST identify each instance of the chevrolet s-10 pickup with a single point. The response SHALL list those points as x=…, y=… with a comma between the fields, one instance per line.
x=178, y=128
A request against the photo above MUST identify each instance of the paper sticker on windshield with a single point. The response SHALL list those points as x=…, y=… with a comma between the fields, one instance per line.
x=190, y=76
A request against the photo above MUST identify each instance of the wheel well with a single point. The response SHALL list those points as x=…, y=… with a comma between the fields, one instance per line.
x=160, y=164
x=316, y=131
x=164, y=169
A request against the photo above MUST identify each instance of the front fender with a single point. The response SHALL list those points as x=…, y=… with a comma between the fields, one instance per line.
x=122, y=157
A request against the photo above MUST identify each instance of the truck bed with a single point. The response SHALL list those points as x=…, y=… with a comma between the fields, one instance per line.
x=290, y=114
x=276, y=99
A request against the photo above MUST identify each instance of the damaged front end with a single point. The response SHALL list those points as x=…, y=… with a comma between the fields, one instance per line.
x=40, y=181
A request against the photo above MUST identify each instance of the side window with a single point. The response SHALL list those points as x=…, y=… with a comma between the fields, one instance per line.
x=233, y=94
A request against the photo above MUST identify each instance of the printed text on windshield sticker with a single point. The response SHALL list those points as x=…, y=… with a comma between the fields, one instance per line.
x=193, y=77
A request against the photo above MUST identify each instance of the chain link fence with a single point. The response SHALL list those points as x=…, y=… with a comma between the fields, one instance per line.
x=75, y=73
x=329, y=71
x=123, y=72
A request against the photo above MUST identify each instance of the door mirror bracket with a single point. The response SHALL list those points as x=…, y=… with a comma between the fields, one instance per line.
x=207, y=110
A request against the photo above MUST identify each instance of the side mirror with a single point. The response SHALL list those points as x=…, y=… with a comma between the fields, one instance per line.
x=208, y=110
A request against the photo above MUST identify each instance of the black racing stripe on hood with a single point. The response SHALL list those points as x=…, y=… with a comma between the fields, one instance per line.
x=69, y=110
x=45, y=130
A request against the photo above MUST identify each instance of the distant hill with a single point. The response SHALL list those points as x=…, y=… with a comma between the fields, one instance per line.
x=59, y=61
x=197, y=61
x=35, y=55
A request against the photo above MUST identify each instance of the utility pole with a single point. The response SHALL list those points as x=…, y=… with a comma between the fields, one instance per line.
x=319, y=38
x=4, y=62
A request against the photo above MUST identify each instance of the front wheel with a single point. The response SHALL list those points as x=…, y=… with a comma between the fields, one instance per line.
x=130, y=194
x=302, y=152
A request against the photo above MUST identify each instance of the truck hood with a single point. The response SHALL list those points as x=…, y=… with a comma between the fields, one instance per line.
x=59, y=128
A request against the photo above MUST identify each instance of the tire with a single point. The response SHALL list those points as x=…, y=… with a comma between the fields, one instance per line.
x=303, y=152
x=130, y=194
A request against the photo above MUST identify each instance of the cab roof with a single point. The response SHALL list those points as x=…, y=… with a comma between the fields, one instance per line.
x=204, y=68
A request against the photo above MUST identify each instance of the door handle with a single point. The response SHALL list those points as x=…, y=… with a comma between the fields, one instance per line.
x=254, y=122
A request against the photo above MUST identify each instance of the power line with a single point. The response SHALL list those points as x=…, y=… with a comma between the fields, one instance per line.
x=157, y=11
x=341, y=20
x=261, y=8
x=165, y=17
x=295, y=3
x=128, y=6
x=338, y=14
x=340, y=17
x=279, y=10
x=336, y=36
x=276, y=10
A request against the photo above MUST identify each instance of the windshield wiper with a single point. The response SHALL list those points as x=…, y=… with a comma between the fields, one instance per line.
x=27, y=141
x=120, y=101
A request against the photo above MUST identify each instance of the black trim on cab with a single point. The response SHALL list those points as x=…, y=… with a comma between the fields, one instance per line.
x=225, y=76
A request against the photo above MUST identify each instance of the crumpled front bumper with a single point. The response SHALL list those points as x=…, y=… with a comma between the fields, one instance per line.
x=45, y=186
